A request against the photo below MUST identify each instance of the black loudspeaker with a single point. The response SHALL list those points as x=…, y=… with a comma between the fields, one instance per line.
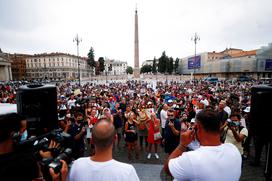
x=38, y=103
x=261, y=107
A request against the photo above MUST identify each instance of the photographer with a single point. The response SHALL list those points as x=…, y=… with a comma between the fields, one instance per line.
x=235, y=133
x=16, y=161
x=78, y=131
x=172, y=132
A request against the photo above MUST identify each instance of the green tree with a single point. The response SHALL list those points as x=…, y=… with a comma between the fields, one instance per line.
x=169, y=65
x=129, y=70
x=162, y=63
x=146, y=69
x=176, y=65
x=101, y=63
x=90, y=60
x=154, y=66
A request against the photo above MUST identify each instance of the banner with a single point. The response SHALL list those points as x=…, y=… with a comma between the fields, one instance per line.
x=268, y=64
x=194, y=62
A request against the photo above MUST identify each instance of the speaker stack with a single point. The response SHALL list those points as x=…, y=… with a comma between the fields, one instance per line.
x=38, y=103
x=261, y=120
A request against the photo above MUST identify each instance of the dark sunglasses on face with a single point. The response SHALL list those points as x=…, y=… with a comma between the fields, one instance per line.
x=171, y=115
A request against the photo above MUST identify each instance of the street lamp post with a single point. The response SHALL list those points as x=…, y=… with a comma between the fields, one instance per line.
x=106, y=77
x=44, y=70
x=195, y=38
x=78, y=40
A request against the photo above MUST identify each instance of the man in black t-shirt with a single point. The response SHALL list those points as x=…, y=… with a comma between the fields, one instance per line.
x=118, y=123
x=78, y=131
x=172, y=132
x=222, y=117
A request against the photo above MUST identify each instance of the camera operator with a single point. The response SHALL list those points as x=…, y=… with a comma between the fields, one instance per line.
x=235, y=132
x=78, y=131
x=15, y=165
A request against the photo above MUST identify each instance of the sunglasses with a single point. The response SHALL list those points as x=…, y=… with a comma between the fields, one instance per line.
x=170, y=115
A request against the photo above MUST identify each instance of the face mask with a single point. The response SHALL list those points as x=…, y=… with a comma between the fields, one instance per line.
x=236, y=123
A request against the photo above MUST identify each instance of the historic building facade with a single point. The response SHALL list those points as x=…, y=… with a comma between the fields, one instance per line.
x=56, y=66
x=18, y=66
x=115, y=67
x=5, y=67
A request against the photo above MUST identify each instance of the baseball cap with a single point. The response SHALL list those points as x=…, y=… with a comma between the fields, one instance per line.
x=247, y=109
x=170, y=101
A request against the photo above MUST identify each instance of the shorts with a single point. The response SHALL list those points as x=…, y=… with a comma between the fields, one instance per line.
x=118, y=130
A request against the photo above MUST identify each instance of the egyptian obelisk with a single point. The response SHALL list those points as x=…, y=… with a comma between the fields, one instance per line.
x=136, y=49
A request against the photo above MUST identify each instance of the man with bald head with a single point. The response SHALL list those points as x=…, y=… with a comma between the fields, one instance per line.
x=102, y=166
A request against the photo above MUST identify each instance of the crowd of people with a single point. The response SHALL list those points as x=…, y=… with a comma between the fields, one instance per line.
x=178, y=117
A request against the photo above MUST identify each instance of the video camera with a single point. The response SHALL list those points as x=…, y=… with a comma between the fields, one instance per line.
x=38, y=104
x=55, y=163
x=42, y=142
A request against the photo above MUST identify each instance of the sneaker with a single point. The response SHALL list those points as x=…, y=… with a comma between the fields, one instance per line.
x=149, y=156
x=157, y=156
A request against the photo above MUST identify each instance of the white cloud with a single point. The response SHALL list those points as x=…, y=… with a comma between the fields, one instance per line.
x=32, y=26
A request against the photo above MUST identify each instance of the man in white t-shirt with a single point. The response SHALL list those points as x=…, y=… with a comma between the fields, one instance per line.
x=72, y=102
x=213, y=161
x=101, y=166
x=164, y=117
